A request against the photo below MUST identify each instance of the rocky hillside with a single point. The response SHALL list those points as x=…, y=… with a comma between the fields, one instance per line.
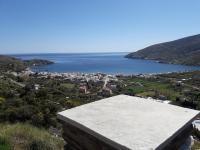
x=182, y=51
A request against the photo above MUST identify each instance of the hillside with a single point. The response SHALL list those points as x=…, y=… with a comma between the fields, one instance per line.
x=23, y=136
x=182, y=51
x=37, y=62
x=10, y=63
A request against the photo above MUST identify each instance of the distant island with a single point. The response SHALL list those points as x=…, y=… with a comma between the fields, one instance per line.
x=11, y=63
x=184, y=51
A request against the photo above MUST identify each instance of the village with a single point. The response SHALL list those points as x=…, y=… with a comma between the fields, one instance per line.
x=37, y=96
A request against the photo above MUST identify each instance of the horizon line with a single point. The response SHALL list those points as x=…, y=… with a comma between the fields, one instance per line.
x=28, y=53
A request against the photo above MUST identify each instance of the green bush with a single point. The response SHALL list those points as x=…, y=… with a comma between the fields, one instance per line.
x=4, y=144
x=5, y=147
x=39, y=145
x=27, y=137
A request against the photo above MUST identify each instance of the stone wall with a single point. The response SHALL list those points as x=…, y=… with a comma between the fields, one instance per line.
x=78, y=139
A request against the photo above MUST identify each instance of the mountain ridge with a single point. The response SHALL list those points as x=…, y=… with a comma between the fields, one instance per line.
x=182, y=51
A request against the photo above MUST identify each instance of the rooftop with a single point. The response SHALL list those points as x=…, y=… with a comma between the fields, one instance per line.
x=131, y=122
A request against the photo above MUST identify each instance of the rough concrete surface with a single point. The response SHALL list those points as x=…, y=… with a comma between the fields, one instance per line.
x=133, y=122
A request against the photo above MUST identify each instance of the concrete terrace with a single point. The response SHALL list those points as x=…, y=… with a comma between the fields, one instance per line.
x=126, y=122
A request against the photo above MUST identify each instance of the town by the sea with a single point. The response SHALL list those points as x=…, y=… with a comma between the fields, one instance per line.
x=109, y=63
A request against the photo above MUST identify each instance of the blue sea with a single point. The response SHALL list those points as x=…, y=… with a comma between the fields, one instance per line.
x=111, y=63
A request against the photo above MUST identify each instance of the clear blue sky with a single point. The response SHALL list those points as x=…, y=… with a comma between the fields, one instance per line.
x=39, y=26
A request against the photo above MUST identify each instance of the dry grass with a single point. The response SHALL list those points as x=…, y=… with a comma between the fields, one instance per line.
x=196, y=146
x=27, y=137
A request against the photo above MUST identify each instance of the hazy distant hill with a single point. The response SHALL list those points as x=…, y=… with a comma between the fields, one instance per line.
x=182, y=51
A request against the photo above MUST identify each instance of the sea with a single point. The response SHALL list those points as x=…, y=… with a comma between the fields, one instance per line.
x=109, y=63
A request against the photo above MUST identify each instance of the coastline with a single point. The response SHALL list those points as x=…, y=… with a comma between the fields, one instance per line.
x=112, y=74
x=104, y=63
x=109, y=63
x=95, y=76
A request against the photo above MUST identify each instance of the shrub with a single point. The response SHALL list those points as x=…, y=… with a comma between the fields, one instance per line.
x=39, y=145
x=25, y=136
x=4, y=144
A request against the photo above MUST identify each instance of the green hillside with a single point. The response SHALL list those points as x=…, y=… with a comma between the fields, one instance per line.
x=8, y=63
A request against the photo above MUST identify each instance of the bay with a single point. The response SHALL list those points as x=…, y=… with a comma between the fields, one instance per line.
x=110, y=63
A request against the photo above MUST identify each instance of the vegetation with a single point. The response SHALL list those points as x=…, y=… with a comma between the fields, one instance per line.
x=33, y=100
x=196, y=146
x=27, y=137
x=182, y=51
x=181, y=88
x=40, y=106
x=9, y=63
x=20, y=101
x=156, y=88
x=37, y=62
